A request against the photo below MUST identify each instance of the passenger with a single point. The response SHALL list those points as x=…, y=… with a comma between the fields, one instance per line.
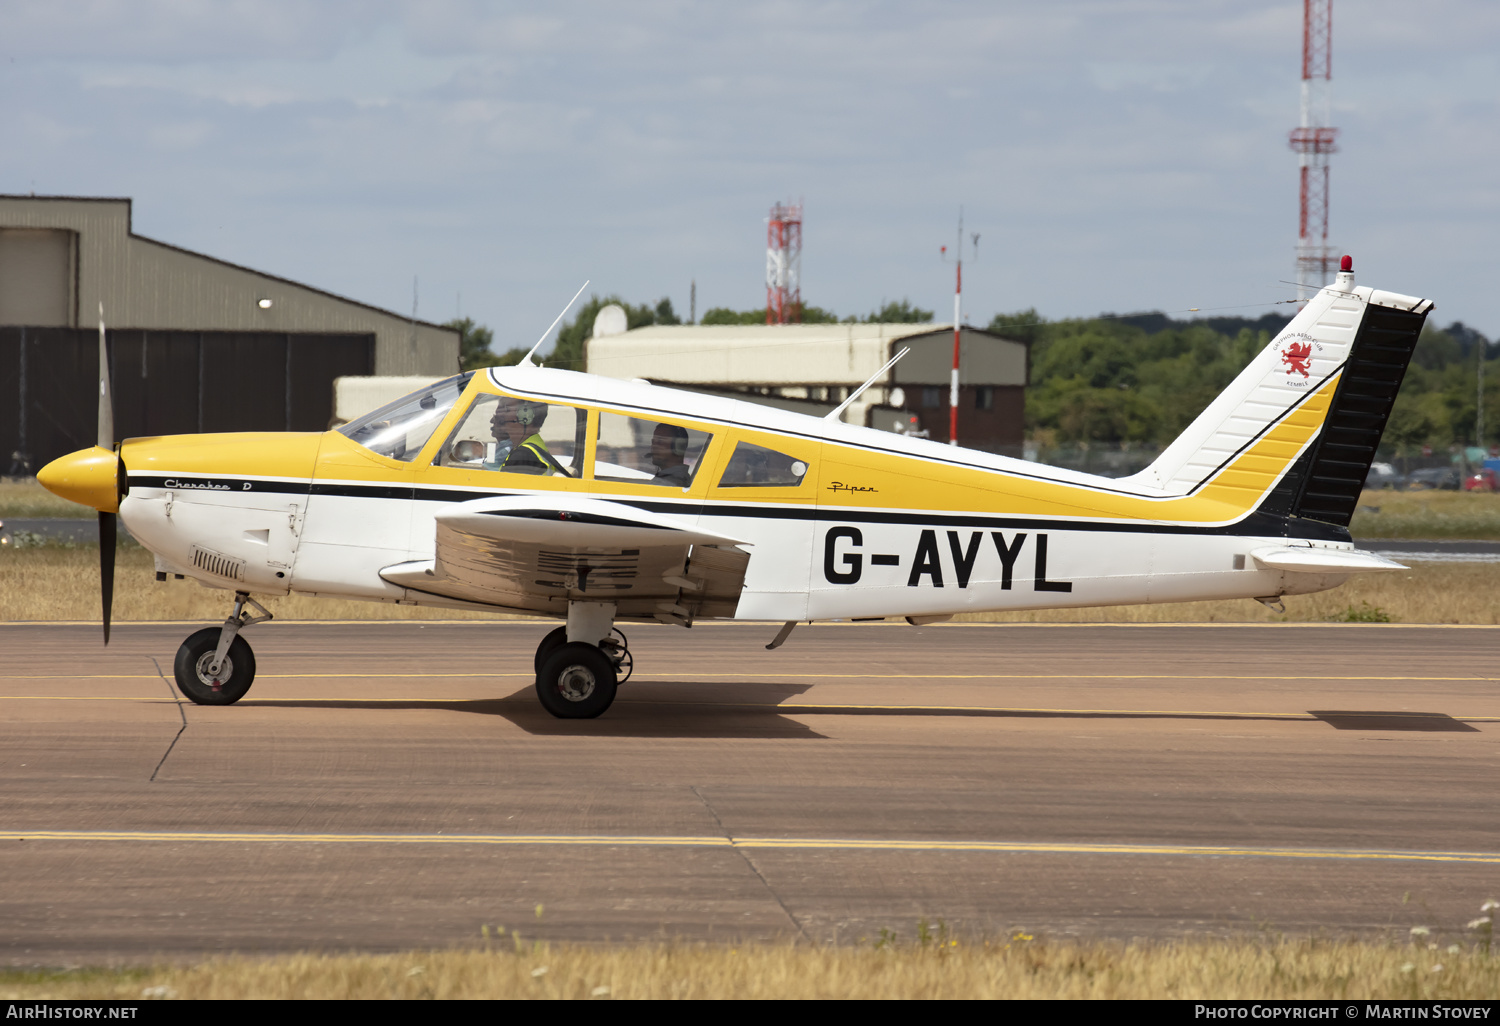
x=517, y=426
x=669, y=444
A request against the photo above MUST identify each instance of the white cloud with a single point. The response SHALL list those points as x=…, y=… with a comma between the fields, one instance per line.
x=501, y=149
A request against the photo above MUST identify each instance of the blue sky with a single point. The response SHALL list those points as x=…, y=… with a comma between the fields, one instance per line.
x=1114, y=156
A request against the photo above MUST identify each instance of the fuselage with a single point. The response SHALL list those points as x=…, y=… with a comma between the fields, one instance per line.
x=873, y=525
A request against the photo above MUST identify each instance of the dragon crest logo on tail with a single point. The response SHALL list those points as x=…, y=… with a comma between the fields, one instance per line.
x=1296, y=357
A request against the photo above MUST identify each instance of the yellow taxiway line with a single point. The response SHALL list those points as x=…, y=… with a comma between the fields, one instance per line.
x=784, y=843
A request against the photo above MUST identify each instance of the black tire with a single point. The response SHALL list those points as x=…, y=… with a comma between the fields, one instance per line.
x=577, y=682
x=551, y=643
x=191, y=668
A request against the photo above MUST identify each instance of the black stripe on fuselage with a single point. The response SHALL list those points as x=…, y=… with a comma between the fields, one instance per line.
x=1256, y=524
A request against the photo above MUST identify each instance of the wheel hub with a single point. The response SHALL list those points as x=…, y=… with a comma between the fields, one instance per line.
x=575, y=683
x=205, y=674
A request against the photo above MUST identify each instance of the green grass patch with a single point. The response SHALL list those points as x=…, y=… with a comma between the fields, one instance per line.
x=1429, y=514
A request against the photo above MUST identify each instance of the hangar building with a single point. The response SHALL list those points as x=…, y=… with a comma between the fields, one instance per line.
x=197, y=344
x=811, y=368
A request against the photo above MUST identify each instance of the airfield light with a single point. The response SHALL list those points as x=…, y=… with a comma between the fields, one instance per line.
x=264, y=304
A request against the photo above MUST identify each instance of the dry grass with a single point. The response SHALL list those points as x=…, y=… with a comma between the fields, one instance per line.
x=26, y=498
x=53, y=582
x=58, y=583
x=1020, y=968
x=1386, y=514
x=62, y=583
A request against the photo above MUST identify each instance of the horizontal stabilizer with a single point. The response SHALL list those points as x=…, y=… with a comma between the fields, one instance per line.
x=1313, y=560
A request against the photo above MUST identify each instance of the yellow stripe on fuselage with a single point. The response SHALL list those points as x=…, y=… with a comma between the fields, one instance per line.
x=871, y=479
x=910, y=483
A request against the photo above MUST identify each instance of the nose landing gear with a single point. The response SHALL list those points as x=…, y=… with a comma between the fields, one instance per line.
x=215, y=666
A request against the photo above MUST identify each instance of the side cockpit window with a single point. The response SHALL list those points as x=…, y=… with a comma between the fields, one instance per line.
x=754, y=466
x=398, y=430
x=517, y=436
x=650, y=452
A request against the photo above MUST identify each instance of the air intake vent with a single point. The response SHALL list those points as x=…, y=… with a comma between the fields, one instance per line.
x=219, y=565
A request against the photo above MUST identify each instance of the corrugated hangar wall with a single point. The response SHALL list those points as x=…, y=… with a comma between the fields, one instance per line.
x=148, y=284
x=193, y=348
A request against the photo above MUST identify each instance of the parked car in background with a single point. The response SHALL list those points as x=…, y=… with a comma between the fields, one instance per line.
x=1485, y=480
x=1383, y=475
x=1447, y=478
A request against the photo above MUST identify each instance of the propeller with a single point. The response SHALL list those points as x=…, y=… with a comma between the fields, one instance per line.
x=108, y=529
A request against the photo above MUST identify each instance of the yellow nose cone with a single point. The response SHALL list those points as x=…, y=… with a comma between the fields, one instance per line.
x=86, y=477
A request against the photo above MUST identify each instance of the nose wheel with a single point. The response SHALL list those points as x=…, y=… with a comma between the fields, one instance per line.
x=215, y=666
x=196, y=677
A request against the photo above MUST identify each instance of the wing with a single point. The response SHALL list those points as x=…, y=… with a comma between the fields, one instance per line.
x=537, y=553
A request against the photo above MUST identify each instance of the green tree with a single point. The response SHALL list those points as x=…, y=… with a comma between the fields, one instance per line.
x=899, y=313
x=473, y=344
x=1023, y=325
x=724, y=315
x=568, y=352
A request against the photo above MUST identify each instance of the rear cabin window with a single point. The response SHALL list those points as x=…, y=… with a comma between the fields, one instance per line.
x=754, y=466
x=649, y=452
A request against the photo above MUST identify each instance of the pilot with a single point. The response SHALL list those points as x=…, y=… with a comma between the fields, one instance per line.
x=669, y=444
x=517, y=426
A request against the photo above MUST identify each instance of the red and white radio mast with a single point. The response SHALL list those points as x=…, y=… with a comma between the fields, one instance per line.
x=1313, y=140
x=784, y=264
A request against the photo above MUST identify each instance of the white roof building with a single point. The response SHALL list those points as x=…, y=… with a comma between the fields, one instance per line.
x=813, y=367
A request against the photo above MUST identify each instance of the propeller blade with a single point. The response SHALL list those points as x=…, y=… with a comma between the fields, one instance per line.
x=106, y=407
x=107, y=567
x=107, y=526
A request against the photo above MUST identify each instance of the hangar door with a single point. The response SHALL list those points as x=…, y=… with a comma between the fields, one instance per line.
x=36, y=276
x=164, y=383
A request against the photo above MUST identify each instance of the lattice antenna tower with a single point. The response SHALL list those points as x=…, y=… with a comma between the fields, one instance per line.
x=784, y=264
x=1314, y=140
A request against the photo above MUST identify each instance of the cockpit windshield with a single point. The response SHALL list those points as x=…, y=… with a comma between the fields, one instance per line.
x=400, y=429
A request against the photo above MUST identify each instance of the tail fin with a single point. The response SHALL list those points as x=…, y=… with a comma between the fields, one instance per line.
x=1298, y=429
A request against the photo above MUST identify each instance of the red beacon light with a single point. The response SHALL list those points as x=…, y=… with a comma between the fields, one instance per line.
x=1347, y=263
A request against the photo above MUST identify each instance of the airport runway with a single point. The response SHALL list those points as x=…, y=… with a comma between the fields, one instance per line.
x=395, y=785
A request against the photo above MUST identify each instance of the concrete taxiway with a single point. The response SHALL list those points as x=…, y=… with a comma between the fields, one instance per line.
x=395, y=785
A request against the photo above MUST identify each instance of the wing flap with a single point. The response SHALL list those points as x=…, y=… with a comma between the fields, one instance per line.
x=518, y=553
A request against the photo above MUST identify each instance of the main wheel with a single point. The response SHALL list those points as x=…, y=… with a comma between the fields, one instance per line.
x=234, y=677
x=577, y=682
x=551, y=643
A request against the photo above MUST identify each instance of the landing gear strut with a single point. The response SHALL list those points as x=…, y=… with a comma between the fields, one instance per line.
x=215, y=666
x=580, y=666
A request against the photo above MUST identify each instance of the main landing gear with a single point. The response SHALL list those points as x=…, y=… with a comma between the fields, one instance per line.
x=215, y=666
x=580, y=666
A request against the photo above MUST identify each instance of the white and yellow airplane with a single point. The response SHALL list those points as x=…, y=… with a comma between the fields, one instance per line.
x=597, y=501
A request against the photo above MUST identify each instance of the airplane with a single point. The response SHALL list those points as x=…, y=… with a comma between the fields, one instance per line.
x=527, y=489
